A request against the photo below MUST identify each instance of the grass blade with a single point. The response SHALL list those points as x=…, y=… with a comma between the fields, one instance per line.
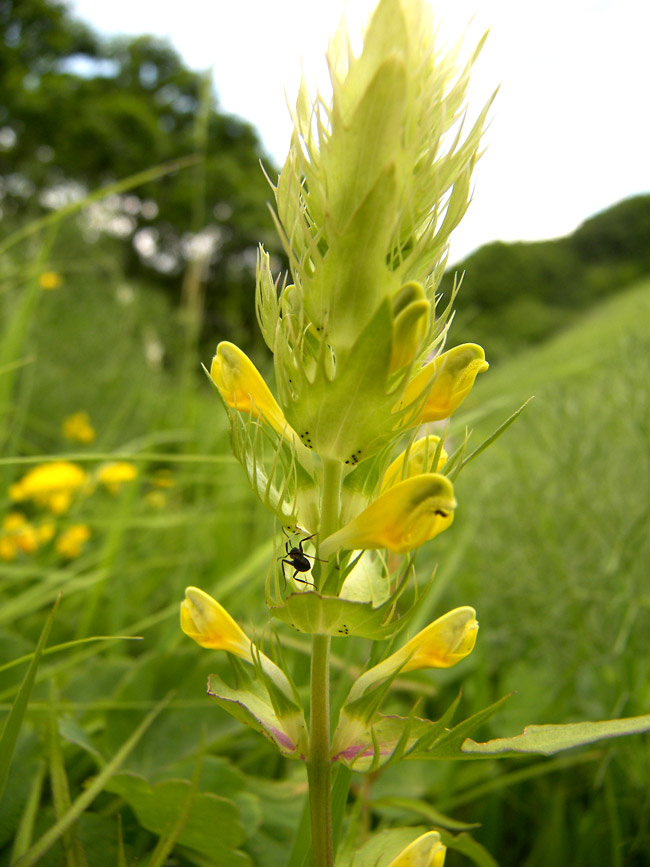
x=15, y=718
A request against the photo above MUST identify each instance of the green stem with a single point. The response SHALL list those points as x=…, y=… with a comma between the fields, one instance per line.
x=318, y=765
x=331, y=498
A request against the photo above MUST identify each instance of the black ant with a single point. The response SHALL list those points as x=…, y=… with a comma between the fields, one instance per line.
x=297, y=558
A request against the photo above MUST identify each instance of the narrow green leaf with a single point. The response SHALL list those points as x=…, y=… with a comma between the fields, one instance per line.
x=497, y=433
x=25, y=830
x=415, y=805
x=74, y=854
x=468, y=846
x=15, y=718
x=550, y=739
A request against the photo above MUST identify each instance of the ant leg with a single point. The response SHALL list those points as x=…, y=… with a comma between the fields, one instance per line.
x=302, y=580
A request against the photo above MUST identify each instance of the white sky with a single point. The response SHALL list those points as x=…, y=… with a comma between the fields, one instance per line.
x=570, y=130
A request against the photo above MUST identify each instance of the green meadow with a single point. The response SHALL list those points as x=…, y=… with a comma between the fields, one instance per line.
x=113, y=754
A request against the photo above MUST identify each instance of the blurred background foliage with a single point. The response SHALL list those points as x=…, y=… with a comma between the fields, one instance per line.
x=107, y=312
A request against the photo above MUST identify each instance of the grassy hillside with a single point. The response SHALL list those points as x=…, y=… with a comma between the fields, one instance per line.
x=551, y=545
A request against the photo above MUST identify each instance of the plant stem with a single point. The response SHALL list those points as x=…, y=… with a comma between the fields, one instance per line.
x=331, y=498
x=318, y=765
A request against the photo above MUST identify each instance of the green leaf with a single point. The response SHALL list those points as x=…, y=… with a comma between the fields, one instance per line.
x=550, y=739
x=425, y=810
x=158, y=808
x=328, y=615
x=249, y=703
x=468, y=846
x=15, y=718
x=50, y=837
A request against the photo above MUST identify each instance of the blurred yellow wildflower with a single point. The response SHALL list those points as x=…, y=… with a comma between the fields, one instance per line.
x=77, y=427
x=49, y=280
x=17, y=535
x=116, y=474
x=52, y=485
x=425, y=851
x=71, y=542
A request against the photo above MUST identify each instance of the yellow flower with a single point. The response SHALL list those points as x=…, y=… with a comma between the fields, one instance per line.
x=243, y=388
x=116, y=474
x=425, y=851
x=419, y=459
x=17, y=535
x=49, y=280
x=441, y=644
x=71, y=542
x=403, y=517
x=77, y=427
x=51, y=485
x=208, y=623
x=442, y=385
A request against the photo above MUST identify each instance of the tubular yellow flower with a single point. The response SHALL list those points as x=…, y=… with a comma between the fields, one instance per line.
x=242, y=386
x=51, y=485
x=425, y=851
x=210, y=625
x=419, y=459
x=443, y=384
x=402, y=518
x=77, y=427
x=441, y=644
x=116, y=474
x=70, y=543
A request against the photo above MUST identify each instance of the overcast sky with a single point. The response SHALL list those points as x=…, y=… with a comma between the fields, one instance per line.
x=570, y=130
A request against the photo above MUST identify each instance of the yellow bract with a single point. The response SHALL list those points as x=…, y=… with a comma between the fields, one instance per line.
x=425, y=851
x=242, y=386
x=403, y=517
x=51, y=485
x=210, y=625
x=442, y=385
x=77, y=427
